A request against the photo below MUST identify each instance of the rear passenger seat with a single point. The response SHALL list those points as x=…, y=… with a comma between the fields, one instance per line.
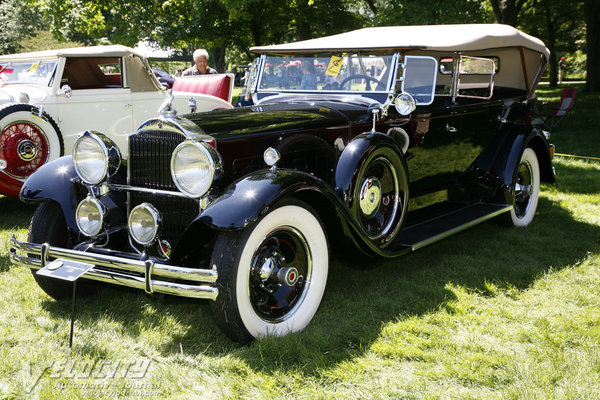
x=219, y=85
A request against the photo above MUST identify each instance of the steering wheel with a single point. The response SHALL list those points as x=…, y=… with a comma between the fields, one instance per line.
x=361, y=76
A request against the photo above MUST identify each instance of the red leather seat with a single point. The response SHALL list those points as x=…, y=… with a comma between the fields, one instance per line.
x=219, y=85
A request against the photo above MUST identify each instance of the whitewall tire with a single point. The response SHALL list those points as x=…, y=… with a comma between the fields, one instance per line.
x=272, y=275
x=526, y=188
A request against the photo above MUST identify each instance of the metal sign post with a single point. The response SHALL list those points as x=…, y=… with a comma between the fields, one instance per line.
x=69, y=271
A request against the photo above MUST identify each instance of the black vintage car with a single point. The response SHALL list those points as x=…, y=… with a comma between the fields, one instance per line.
x=371, y=143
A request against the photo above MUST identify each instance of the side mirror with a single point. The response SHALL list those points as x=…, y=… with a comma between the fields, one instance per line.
x=66, y=91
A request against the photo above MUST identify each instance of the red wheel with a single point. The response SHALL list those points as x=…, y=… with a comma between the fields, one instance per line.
x=24, y=147
x=28, y=140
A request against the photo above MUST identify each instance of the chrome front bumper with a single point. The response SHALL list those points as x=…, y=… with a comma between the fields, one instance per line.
x=123, y=271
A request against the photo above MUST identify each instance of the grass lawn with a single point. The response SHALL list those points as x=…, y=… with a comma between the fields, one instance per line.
x=491, y=313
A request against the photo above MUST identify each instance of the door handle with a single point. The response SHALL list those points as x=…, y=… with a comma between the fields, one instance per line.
x=451, y=129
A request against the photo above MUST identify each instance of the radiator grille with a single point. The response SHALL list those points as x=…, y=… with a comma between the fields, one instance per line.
x=149, y=165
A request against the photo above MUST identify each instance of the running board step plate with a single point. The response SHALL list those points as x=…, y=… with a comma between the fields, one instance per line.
x=442, y=226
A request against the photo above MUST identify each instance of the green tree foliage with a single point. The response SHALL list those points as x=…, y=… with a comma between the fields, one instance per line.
x=75, y=20
x=18, y=18
x=233, y=26
x=560, y=26
x=417, y=12
x=44, y=40
x=190, y=24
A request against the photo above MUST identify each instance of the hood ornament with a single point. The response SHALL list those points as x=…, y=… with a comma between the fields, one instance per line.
x=166, y=110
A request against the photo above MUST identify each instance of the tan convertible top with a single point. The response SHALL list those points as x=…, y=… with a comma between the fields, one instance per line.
x=466, y=37
x=92, y=51
x=139, y=79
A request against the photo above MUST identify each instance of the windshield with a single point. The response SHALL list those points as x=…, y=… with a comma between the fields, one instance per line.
x=332, y=73
x=38, y=72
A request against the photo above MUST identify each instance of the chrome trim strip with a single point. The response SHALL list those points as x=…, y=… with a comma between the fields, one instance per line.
x=460, y=228
x=127, y=188
x=176, y=289
x=120, y=263
x=149, y=265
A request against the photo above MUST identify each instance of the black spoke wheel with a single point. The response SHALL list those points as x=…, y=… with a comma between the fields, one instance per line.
x=526, y=189
x=279, y=268
x=48, y=226
x=272, y=275
x=380, y=195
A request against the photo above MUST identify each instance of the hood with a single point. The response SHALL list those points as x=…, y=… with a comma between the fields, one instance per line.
x=282, y=117
x=13, y=94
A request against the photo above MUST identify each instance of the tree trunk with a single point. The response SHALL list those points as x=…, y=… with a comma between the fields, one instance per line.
x=218, y=58
x=551, y=44
x=592, y=22
x=303, y=29
x=507, y=11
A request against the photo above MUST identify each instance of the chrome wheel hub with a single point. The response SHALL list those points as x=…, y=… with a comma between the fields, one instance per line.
x=523, y=189
x=26, y=150
x=370, y=196
x=280, y=268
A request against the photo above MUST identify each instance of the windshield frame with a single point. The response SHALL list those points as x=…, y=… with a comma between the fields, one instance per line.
x=49, y=76
x=390, y=81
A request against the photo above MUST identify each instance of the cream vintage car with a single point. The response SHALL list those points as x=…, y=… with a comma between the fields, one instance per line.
x=48, y=98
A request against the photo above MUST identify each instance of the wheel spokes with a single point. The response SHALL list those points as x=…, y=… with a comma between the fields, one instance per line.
x=24, y=148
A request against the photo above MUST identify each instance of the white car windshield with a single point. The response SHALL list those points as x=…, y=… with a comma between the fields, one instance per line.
x=332, y=73
x=38, y=72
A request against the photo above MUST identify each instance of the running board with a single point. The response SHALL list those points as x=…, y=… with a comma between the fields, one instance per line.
x=442, y=226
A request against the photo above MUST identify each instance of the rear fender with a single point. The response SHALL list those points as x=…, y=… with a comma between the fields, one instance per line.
x=505, y=167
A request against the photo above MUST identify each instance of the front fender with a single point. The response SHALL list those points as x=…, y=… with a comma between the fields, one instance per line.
x=353, y=155
x=54, y=181
x=246, y=200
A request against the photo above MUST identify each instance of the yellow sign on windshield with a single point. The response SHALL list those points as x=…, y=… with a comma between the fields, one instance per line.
x=335, y=65
x=33, y=67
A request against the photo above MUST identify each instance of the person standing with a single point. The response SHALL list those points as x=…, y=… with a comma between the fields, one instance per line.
x=562, y=65
x=201, y=64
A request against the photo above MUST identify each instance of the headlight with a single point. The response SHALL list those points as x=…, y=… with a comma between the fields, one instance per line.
x=193, y=167
x=144, y=222
x=89, y=216
x=95, y=157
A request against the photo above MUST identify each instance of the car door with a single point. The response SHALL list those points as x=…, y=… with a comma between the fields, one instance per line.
x=94, y=98
x=478, y=113
x=431, y=156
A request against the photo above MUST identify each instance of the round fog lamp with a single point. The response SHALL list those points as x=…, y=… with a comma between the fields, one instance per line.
x=144, y=222
x=89, y=216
